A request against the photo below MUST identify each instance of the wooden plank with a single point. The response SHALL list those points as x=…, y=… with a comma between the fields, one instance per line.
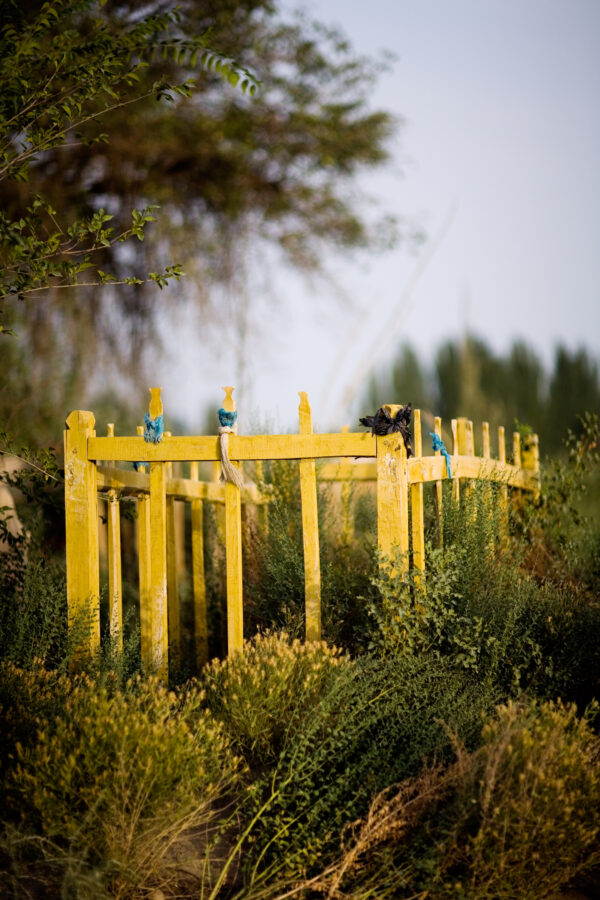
x=503, y=490
x=158, y=568
x=172, y=586
x=455, y=452
x=310, y=530
x=392, y=498
x=348, y=471
x=346, y=495
x=530, y=459
x=233, y=552
x=144, y=568
x=241, y=447
x=81, y=521
x=433, y=468
x=145, y=580
x=198, y=579
x=115, y=590
x=129, y=482
x=438, y=489
x=417, y=511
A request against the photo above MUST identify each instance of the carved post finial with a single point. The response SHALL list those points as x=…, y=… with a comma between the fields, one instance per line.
x=156, y=407
x=228, y=402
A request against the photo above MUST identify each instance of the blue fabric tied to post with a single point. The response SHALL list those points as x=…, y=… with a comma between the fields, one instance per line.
x=153, y=429
x=227, y=419
x=438, y=444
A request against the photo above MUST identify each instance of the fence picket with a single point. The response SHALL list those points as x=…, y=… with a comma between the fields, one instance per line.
x=438, y=488
x=310, y=530
x=417, y=510
x=503, y=491
x=81, y=522
x=392, y=496
x=198, y=580
x=233, y=553
x=174, y=630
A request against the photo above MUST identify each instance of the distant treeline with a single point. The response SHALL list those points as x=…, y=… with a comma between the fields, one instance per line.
x=466, y=378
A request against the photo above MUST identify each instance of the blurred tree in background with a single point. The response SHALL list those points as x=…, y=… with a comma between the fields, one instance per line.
x=468, y=379
x=234, y=175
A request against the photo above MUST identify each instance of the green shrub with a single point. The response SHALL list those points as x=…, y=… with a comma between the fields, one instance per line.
x=274, y=563
x=376, y=723
x=109, y=787
x=515, y=820
x=264, y=695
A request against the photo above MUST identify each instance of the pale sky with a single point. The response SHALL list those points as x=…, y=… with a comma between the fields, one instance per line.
x=497, y=160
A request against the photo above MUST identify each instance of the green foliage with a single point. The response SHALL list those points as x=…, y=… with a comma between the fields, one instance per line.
x=516, y=819
x=274, y=562
x=264, y=695
x=62, y=68
x=113, y=783
x=374, y=725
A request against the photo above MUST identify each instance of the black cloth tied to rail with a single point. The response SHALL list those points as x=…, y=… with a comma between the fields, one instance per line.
x=382, y=423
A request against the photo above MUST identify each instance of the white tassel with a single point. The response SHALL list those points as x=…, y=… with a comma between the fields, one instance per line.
x=228, y=470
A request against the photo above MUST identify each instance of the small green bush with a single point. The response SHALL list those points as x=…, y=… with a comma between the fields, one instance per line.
x=113, y=782
x=264, y=694
x=376, y=723
x=515, y=820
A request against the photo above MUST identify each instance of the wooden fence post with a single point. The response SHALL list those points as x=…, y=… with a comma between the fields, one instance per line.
x=416, y=511
x=172, y=575
x=530, y=457
x=198, y=580
x=503, y=490
x=310, y=530
x=81, y=520
x=233, y=554
x=438, y=488
x=158, y=554
x=115, y=590
x=455, y=452
x=392, y=495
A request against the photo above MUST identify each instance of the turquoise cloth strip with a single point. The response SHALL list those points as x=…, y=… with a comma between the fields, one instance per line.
x=438, y=444
x=153, y=429
x=227, y=419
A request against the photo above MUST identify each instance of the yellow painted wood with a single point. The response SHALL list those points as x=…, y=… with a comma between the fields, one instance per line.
x=530, y=459
x=348, y=469
x=145, y=579
x=417, y=509
x=156, y=407
x=485, y=433
x=438, y=489
x=346, y=495
x=119, y=478
x=503, y=490
x=158, y=568
x=516, y=452
x=233, y=551
x=81, y=520
x=241, y=447
x=455, y=452
x=392, y=498
x=172, y=574
x=198, y=579
x=424, y=470
x=115, y=590
x=310, y=530
x=129, y=482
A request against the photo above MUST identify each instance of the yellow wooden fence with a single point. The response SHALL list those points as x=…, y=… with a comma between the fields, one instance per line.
x=90, y=468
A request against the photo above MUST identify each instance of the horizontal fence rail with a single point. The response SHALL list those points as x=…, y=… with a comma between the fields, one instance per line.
x=160, y=494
